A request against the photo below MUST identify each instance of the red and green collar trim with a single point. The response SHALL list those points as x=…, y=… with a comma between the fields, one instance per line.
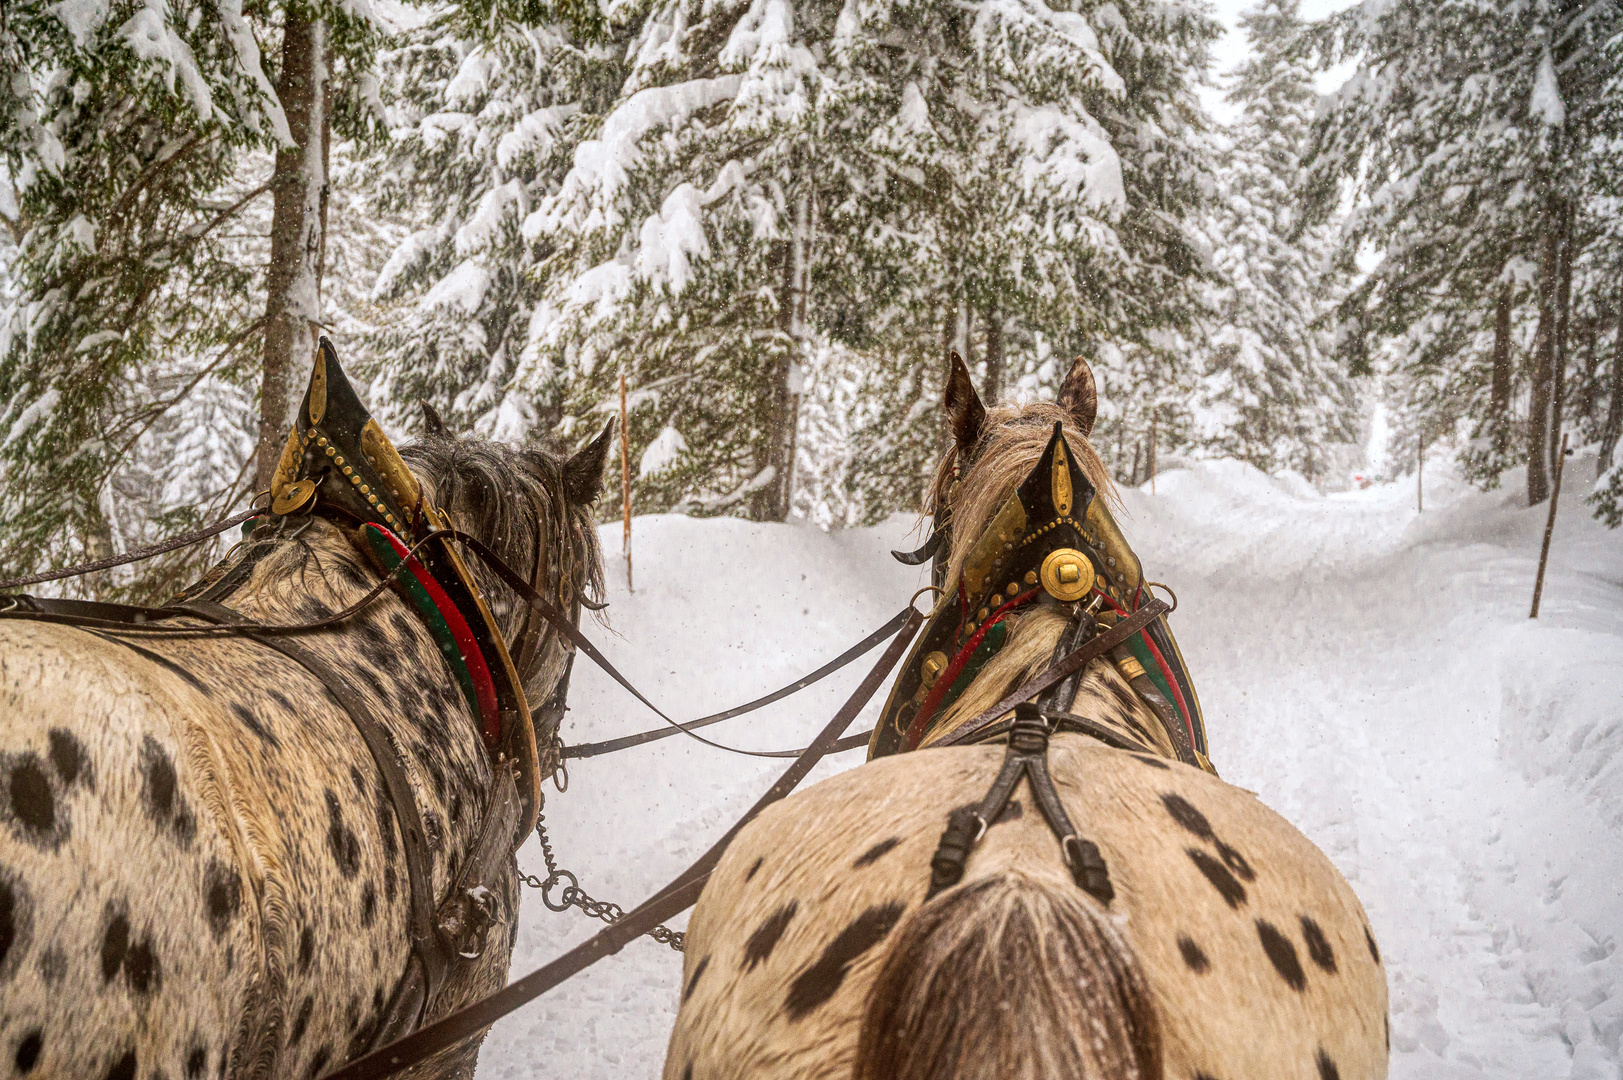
x=965, y=664
x=450, y=630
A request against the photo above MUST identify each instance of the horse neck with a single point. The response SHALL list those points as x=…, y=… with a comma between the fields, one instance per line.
x=300, y=578
x=1103, y=695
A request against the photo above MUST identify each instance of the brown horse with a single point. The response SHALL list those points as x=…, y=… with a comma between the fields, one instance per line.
x=202, y=870
x=1231, y=947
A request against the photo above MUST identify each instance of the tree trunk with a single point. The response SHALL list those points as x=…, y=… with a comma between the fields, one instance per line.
x=1500, y=407
x=1538, y=414
x=298, y=241
x=774, y=499
x=949, y=339
x=994, y=354
x=1614, y=409
x=1563, y=311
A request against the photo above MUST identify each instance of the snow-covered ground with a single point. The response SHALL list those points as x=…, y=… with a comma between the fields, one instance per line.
x=1370, y=672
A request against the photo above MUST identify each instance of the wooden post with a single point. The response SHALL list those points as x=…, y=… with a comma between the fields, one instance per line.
x=1549, y=526
x=1419, y=477
x=625, y=481
x=1155, y=416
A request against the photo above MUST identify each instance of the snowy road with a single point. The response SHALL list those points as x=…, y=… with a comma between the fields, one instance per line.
x=1370, y=673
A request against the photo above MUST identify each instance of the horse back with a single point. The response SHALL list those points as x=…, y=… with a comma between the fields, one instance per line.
x=1255, y=952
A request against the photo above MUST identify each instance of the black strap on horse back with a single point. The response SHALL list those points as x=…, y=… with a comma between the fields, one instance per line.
x=587, y=750
x=675, y=898
x=1026, y=756
x=414, y=842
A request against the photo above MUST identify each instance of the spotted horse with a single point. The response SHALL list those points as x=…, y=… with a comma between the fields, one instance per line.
x=259, y=854
x=1099, y=904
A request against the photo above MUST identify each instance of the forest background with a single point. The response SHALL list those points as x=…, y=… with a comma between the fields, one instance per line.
x=775, y=219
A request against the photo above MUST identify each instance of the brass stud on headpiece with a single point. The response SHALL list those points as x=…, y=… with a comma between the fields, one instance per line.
x=1067, y=574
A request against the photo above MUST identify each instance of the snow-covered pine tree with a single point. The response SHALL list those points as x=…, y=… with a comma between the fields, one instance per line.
x=1463, y=138
x=129, y=334
x=1276, y=394
x=778, y=173
x=483, y=115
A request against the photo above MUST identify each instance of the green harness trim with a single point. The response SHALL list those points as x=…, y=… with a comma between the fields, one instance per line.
x=413, y=590
x=989, y=647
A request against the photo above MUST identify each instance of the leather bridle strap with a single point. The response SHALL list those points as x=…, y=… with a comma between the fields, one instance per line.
x=562, y=625
x=586, y=750
x=414, y=842
x=675, y=898
x=1075, y=661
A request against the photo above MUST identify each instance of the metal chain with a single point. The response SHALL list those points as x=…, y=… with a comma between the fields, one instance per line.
x=574, y=896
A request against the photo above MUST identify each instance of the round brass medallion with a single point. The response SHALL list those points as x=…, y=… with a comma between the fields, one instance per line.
x=293, y=496
x=1067, y=574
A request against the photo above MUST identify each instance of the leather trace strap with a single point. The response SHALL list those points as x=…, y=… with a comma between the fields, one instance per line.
x=1026, y=757
x=1074, y=661
x=586, y=750
x=675, y=898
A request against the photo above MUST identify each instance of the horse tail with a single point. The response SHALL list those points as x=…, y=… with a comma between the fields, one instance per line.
x=1014, y=977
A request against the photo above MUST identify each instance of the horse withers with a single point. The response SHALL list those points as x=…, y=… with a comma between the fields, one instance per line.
x=203, y=871
x=1215, y=941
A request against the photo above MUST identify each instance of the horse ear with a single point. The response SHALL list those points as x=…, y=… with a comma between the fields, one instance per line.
x=964, y=409
x=1079, y=396
x=432, y=423
x=583, y=472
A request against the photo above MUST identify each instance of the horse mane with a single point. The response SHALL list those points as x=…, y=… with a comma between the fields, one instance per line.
x=1012, y=442
x=508, y=497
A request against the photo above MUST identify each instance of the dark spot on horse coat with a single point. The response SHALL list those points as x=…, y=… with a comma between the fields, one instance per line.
x=1386, y=1021
x=345, y=848
x=32, y=803
x=819, y=982
x=307, y=948
x=318, y=1064
x=754, y=866
x=765, y=938
x=871, y=856
x=369, y=904
x=1204, y=1076
x=115, y=943
x=12, y=921
x=687, y=1071
x=161, y=791
x=353, y=574
x=1187, y=816
x=254, y=724
x=1283, y=954
x=1369, y=939
x=222, y=891
x=123, y=1068
x=1318, y=946
x=141, y=968
x=1327, y=1067
x=28, y=1051
x=69, y=759
x=1236, y=862
x=1232, y=891
x=1125, y=697
x=693, y=980
x=197, y=1063
x=301, y=1021
x=1153, y=762
x=1192, y=955
x=53, y=964
x=402, y=625
x=388, y=884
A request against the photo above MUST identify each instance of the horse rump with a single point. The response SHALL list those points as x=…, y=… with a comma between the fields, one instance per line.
x=1014, y=977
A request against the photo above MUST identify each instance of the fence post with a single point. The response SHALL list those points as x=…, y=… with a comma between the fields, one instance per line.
x=1549, y=526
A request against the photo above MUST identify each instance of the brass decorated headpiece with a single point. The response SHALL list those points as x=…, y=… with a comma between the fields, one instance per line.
x=1052, y=534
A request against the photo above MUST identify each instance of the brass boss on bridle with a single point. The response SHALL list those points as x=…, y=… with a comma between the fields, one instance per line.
x=338, y=462
x=1052, y=541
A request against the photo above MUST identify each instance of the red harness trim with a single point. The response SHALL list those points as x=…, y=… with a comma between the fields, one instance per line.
x=1166, y=671
x=483, y=687
x=915, y=730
